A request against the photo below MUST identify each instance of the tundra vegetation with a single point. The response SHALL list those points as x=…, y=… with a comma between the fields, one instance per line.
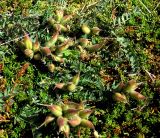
x=79, y=68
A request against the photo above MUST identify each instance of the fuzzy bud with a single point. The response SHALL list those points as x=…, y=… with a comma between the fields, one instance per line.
x=85, y=29
x=83, y=55
x=87, y=123
x=28, y=53
x=53, y=48
x=120, y=97
x=48, y=119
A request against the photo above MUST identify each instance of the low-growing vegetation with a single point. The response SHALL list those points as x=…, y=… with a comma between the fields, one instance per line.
x=81, y=69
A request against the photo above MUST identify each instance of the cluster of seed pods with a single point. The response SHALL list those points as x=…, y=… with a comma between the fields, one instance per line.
x=34, y=50
x=130, y=89
x=53, y=48
x=85, y=44
x=71, y=85
x=70, y=114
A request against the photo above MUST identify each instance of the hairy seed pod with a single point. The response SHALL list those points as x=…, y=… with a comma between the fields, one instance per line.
x=74, y=121
x=85, y=29
x=71, y=87
x=131, y=86
x=59, y=86
x=66, y=18
x=83, y=55
x=73, y=105
x=64, y=46
x=51, y=67
x=97, y=47
x=59, y=15
x=96, y=135
x=48, y=119
x=66, y=130
x=63, y=126
x=45, y=51
x=137, y=95
x=37, y=56
x=60, y=27
x=70, y=112
x=95, y=30
x=64, y=107
x=94, y=48
x=85, y=113
x=53, y=48
x=57, y=59
x=87, y=123
x=27, y=41
x=55, y=109
x=28, y=53
x=84, y=41
x=120, y=97
x=51, y=21
x=61, y=38
x=61, y=121
x=76, y=78
x=36, y=45
x=51, y=42
x=120, y=87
